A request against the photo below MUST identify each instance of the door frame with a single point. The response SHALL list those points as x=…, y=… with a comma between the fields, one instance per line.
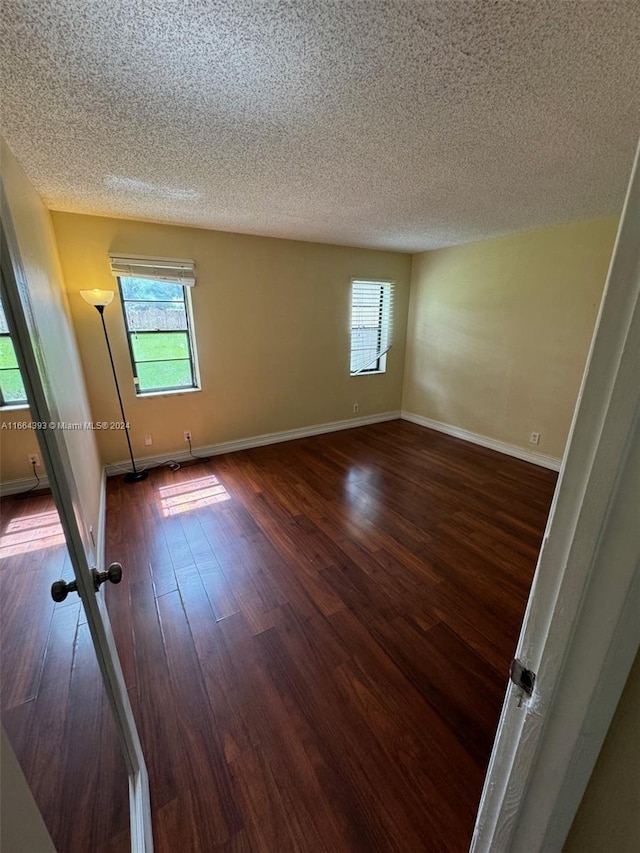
x=580, y=633
x=57, y=463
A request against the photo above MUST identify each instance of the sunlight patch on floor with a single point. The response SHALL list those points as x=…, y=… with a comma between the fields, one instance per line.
x=31, y=533
x=192, y=495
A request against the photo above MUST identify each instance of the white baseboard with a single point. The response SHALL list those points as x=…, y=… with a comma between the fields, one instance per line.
x=484, y=441
x=254, y=441
x=25, y=484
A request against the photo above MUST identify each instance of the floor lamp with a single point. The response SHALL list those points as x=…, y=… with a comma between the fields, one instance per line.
x=100, y=299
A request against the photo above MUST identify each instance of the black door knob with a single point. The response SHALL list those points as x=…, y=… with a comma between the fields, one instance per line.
x=113, y=574
x=60, y=589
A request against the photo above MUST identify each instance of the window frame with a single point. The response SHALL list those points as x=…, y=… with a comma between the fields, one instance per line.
x=9, y=405
x=379, y=366
x=190, y=332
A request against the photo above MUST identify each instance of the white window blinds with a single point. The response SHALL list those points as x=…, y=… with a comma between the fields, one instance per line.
x=371, y=325
x=175, y=270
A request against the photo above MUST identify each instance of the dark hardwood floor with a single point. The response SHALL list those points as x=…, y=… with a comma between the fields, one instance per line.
x=316, y=637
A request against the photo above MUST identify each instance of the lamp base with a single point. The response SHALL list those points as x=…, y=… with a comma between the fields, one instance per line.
x=135, y=476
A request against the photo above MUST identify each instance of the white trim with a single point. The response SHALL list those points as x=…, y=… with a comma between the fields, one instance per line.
x=114, y=468
x=24, y=484
x=178, y=392
x=140, y=821
x=484, y=441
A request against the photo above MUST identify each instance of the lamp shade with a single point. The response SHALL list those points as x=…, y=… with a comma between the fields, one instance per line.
x=97, y=298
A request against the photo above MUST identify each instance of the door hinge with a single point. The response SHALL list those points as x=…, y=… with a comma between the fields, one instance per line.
x=522, y=677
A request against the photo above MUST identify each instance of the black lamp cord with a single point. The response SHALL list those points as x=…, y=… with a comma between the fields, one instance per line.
x=35, y=474
x=191, y=453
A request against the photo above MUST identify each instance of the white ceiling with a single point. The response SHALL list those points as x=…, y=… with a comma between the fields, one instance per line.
x=390, y=123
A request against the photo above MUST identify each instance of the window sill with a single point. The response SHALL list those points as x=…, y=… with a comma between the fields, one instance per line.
x=143, y=394
x=368, y=373
x=19, y=407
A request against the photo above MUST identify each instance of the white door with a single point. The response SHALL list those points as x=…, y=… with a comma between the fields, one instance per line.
x=581, y=630
x=32, y=359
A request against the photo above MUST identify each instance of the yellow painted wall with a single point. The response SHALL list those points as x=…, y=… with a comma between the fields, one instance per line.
x=499, y=331
x=607, y=820
x=41, y=267
x=272, y=330
x=497, y=338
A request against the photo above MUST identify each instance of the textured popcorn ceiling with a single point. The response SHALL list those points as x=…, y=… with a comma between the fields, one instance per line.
x=397, y=124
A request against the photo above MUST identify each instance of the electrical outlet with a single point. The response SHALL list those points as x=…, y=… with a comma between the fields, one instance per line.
x=148, y=441
x=187, y=435
x=356, y=408
x=534, y=438
x=34, y=459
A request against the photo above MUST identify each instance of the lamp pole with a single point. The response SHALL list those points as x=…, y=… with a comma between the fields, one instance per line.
x=100, y=299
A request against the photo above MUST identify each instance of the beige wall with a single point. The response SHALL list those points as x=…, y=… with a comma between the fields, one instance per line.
x=39, y=259
x=608, y=818
x=22, y=829
x=499, y=331
x=272, y=330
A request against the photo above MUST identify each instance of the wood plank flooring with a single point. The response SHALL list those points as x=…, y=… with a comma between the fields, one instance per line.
x=315, y=637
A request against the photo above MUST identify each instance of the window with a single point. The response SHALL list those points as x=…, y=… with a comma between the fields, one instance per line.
x=157, y=317
x=12, y=391
x=371, y=312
